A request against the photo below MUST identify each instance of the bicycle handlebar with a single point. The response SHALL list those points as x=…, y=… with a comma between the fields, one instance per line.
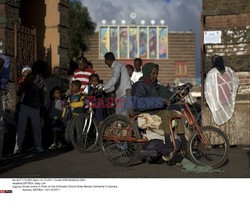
x=182, y=91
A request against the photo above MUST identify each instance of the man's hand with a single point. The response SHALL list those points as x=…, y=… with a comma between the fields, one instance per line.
x=166, y=101
x=99, y=91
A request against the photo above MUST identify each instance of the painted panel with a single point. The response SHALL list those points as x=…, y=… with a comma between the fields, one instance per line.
x=143, y=39
x=152, y=42
x=163, y=42
x=114, y=41
x=133, y=40
x=123, y=42
x=104, y=41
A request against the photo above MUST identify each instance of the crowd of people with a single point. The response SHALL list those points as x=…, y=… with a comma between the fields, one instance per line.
x=51, y=105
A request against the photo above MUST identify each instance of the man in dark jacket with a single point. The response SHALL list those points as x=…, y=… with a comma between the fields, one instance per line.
x=30, y=97
x=150, y=97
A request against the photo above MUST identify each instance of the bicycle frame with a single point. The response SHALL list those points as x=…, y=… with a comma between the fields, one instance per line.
x=189, y=116
x=186, y=114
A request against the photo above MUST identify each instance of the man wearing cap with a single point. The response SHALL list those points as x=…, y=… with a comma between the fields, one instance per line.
x=4, y=77
x=83, y=72
x=30, y=98
x=25, y=71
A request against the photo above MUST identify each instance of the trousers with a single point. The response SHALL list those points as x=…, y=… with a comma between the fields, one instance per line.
x=1, y=124
x=25, y=113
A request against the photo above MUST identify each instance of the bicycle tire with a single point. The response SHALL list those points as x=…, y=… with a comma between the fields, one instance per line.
x=81, y=141
x=129, y=151
x=195, y=149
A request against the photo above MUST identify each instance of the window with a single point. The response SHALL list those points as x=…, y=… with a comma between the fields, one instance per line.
x=181, y=69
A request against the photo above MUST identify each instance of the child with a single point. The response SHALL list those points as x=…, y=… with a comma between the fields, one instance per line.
x=95, y=88
x=130, y=70
x=94, y=85
x=55, y=115
x=75, y=103
x=76, y=98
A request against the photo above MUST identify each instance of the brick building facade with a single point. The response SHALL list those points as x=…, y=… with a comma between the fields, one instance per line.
x=181, y=54
x=232, y=18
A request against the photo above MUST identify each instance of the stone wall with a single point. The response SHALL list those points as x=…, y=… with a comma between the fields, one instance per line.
x=232, y=18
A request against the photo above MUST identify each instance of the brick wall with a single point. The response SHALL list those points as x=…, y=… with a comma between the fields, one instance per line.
x=181, y=49
x=232, y=18
x=225, y=7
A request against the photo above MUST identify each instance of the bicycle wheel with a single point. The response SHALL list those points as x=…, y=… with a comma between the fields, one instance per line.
x=215, y=153
x=121, y=153
x=84, y=133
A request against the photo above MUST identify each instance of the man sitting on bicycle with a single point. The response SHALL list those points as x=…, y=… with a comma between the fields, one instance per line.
x=151, y=97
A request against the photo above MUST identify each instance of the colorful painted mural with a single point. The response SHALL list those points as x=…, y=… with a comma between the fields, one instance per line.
x=104, y=41
x=143, y=42
x=128, y=42
x=133, y=39
x=114, y=41
x=153, y=42
x=163, y=42
x=123, y=48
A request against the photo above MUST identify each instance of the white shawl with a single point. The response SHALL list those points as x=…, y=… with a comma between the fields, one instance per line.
x=220, y=93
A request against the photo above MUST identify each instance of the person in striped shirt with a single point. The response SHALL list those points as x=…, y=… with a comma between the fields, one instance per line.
x=83, y=72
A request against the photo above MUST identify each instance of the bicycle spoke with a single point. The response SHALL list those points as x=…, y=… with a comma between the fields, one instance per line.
x=214, y=152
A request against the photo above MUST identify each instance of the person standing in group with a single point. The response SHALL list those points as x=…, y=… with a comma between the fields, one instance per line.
x=120, y=82
x=55, y=115
x=74, y=107
x=130, y=69
x=93, y=89
x=137, y=74
x=31, y=100
x=4, y=77
x=83, y=72
x=50, y=83
x=25, y=71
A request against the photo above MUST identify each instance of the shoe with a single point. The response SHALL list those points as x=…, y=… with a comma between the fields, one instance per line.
x=18, y=151
x=60, y=145
x=53, y=146
x=39, y=149
x=168, y=157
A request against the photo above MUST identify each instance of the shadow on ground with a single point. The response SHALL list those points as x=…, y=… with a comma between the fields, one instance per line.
x=13, y=161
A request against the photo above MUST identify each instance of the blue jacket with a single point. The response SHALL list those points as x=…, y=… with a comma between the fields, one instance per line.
x=4, y=72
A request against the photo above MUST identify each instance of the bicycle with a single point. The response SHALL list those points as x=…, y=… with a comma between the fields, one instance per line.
x=121, y=140
x=84, y=132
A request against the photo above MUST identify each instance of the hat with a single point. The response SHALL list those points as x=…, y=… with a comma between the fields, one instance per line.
x=147, y=69
x=25, y=68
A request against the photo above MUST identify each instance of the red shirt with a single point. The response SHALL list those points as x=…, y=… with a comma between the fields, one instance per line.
x=83, y=76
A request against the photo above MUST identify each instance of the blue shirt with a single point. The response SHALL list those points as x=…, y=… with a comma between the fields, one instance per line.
x=4, y=72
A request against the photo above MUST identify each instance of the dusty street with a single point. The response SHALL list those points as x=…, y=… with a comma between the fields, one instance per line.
x=70, y=163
